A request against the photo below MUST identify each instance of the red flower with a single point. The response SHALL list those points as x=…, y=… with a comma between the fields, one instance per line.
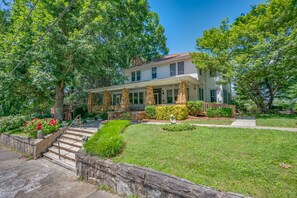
x=39, y=126
x=53, y=122
x=26, y=124
x=34, y=119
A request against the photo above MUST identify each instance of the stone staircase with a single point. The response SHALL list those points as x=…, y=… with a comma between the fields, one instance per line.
x=70, y=142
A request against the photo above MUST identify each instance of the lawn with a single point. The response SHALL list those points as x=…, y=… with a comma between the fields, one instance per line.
x=236, y=160
x=276, y=120
x=216, y=122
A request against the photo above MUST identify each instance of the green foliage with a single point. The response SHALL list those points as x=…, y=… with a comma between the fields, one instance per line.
x=11, y=123
x=180, y=112
x=179, y=127
x=109, y=141
x=104, y=116
x=125, y=116
x=194, y=107
x=219, y=112
x=150, y=112
x=257, y=52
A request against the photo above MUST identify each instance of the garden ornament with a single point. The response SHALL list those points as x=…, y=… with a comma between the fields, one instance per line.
x=172, y=119
x=84, y=139
x=40, y=134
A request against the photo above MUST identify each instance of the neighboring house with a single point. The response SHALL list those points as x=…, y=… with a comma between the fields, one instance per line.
x=164, y=77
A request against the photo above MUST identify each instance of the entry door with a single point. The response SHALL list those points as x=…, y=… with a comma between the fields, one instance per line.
x=156, y=95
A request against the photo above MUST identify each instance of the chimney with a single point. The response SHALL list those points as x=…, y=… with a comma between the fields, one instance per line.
x=138, y=61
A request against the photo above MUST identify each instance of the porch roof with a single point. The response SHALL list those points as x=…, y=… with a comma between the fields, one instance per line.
x=191, y=78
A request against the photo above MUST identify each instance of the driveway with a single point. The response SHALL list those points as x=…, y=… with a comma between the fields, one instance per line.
x=20, y=177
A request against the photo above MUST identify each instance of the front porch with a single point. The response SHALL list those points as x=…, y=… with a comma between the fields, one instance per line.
x=135, y=96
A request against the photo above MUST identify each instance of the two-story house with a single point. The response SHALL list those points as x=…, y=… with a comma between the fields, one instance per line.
x=164, y=77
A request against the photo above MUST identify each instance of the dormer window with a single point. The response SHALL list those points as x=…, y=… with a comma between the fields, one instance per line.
x=180, y=68
x=133, y=76
x=173, y=69
x=154, y=72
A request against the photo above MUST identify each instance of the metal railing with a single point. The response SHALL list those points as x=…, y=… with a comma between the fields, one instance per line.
x=77, y=118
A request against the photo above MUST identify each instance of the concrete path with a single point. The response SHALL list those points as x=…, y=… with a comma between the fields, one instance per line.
x=235, y=126
x=244, y=122
x=20, y=177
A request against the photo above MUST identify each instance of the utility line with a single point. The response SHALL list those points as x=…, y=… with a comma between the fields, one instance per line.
x=23, y=24
x=42, y=37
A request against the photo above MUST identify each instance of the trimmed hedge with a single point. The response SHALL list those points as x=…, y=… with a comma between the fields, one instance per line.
x=150, y=112
x=108, y=142
x=219, y=112
x=180, y=112
x=194, y=107
x=179, y=127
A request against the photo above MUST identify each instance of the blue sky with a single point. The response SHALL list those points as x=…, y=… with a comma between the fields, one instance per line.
x=185, y=20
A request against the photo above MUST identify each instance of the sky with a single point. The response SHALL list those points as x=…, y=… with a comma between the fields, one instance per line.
x=185, y=20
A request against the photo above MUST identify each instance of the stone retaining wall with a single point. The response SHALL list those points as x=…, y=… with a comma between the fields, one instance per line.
x=30, y=146
x=128, y=180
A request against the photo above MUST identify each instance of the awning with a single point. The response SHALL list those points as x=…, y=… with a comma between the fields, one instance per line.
x=190, y=78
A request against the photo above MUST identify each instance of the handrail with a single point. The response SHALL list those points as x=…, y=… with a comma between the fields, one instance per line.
x=78, y=117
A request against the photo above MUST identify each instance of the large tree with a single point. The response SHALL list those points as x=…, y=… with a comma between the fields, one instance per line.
x=257, y=51
x=94, y=39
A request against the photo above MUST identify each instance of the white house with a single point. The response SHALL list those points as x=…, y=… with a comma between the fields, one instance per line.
x=164, y=76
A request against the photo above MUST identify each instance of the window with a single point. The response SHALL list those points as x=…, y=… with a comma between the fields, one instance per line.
x=154, y=72
x=225, y=96
x=138, y=75
x=116, y=99
x=200, y=72
x=141, y=97
x=135, y=99
x=180, y=68
x=201, y=94
x=213, y=96
x=212, y=73
x=173, y=69
x=169, y=96
x=133, y=76
x=131, y=98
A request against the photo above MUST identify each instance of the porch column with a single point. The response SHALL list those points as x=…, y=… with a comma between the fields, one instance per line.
x=91, y=101
x=106, y=100
x=149, y=98
x=182, y=97
x=125, y=102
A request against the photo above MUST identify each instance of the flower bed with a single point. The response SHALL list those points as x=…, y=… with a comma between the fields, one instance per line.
x=47, y=126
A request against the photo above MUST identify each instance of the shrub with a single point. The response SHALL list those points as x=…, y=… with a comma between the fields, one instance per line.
x=47, y=126
x=109, y=141
x=125, y=116
x=11, y=122
x=104, y=116
x=194, y=107
x=180, y=112
x=150, y=112
x=179, y=127
x=219, y=112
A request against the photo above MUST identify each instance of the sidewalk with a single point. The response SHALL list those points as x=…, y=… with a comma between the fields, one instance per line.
x=235, y=126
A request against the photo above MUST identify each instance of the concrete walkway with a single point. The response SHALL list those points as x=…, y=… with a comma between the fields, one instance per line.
x=245, y=122
x=235, y=126
x=20, y=177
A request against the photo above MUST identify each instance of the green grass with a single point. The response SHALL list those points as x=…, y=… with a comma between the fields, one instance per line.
x=216, y=122
x=276, y=120
x=238, y=160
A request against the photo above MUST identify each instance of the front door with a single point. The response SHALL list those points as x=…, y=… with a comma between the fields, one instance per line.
x=156, y=95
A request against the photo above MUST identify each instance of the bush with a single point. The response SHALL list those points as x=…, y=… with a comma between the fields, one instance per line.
x=47, y=126
x=194, y=107
x=125, y=116
x=109, y=141
x=219, y=112
x=180, y=112
x=11, y=122
x=150, y=112
x=104, y=116
x=179, y=127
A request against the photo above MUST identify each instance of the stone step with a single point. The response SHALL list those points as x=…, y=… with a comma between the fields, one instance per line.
x=66, y=147
x=72, y=137
x=77, y=144
x=63, y=153
x=62, y=162
x=78, y=133
x=83, y=130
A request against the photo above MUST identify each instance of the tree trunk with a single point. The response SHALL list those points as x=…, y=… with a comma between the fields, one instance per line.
x=59, y=100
